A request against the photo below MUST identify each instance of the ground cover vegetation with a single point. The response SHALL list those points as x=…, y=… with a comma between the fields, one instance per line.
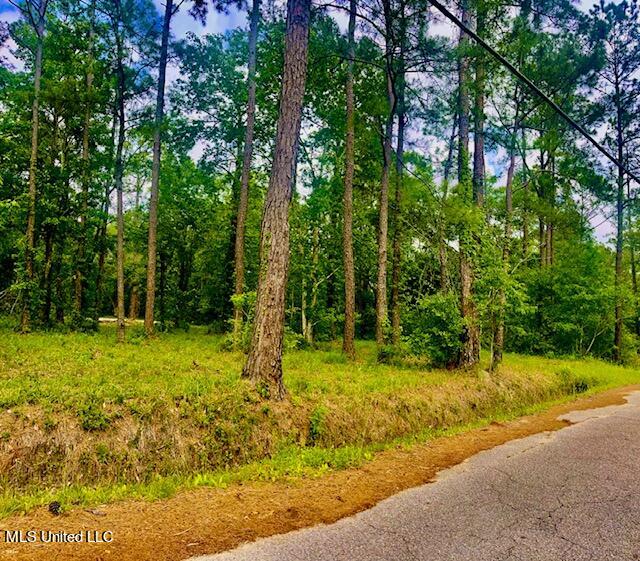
x=85, y=422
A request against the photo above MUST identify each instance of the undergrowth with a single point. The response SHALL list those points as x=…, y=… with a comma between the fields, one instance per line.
x=83, y=421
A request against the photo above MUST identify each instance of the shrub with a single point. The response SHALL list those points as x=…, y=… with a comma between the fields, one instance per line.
x=434, y=329
x=242, y=339
x=316, y=424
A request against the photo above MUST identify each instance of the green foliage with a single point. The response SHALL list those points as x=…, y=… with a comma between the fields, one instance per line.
x=92, y=416
x=573, y=383
x=179, y=392
x=434, y=329
x=316, y=424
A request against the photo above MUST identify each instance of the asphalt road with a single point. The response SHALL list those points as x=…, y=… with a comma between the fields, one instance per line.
x=568, y=495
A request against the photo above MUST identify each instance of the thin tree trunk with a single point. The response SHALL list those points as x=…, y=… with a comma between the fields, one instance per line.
x=617, y=342
x=525, y=201
x=463, y=100
x=246, y=165
x=81, y=266
x=25, y=322
x=315, y=255
x=63, y=209
x=118, y=179
x=348, y=339
x=479, y=118
x=632, y=259
x=383, y=221
x=383, y=227
x=303, y=308
x=101, y=235
x=470, y=351
x=163, y=285
x=542, y=241
x=397, y=210
x=155, y=174
x=498, y=337
x=57, y=272
x=264, y=363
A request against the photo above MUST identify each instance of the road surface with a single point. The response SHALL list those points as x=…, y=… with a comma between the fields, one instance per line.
x=568, y=495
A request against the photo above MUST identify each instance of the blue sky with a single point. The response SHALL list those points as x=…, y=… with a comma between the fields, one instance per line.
x=217, y=23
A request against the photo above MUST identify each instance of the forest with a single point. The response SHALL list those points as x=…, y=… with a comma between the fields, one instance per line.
x=256, y=241
x=438, y=204
x=417, y=192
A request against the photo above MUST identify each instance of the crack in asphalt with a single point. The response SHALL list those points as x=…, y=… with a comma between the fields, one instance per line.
x=564, y=496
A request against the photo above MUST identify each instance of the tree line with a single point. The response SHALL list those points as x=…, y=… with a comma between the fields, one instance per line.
x=342, y=168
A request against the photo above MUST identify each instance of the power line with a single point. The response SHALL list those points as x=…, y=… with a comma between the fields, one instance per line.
x=502, y=60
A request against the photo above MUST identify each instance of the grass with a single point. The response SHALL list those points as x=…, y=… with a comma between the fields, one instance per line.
x=84, y=421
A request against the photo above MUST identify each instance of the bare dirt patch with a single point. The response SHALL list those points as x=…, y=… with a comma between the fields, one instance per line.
x=213, y=520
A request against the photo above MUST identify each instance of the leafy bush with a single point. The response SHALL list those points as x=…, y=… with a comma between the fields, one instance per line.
x=434, y=329
x=316, y=424
x=241, y=339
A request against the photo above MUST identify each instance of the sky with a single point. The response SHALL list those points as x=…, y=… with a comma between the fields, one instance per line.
x=183, y=23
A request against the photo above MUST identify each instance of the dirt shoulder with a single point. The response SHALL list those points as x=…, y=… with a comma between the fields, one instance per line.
x=213, y=520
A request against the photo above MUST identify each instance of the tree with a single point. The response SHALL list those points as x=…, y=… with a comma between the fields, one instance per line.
x=619, y=27
x=117, y=20
x=155, y=172
x=401, y=111
x=264, y=363
x=81, y=266
x=348, y=345
x=35, y=11
x=383, y=204
x=470, y=349
x=247, y=154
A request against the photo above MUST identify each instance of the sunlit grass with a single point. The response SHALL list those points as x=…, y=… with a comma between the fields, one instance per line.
x=124, y=406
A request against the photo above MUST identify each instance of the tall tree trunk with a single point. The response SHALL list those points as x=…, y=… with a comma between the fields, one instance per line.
x=617, y=341
x=632, y=259
x=463, y=99
x=264, y=363
x=155, y=174
x=309, y=323
x=470, y=351
x=479, y=118
x=59, y=233
x=397, y=210
x=101, y=234
x=25, y=322
x=525, y=201
x=348, y=338
x=498, y=336
x=118, y=179
x=81, y=266
x=383, y=220
x=246, y=165
x=383, y=226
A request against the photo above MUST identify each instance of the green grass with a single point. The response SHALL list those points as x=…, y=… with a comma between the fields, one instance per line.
x=100, y=422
